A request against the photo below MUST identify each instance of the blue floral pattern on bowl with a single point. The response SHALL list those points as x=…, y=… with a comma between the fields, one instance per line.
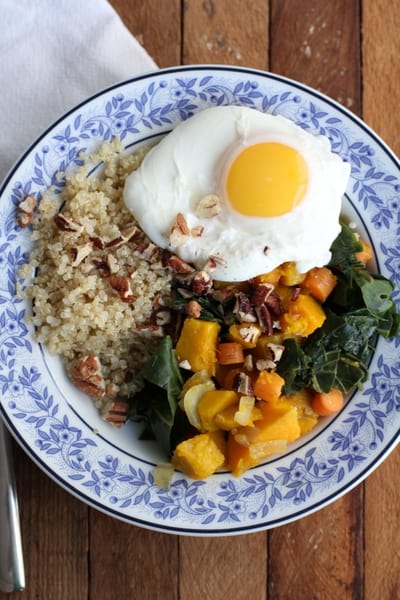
x=66, y=445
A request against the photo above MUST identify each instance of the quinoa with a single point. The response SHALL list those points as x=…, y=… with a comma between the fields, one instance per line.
x=76, y=312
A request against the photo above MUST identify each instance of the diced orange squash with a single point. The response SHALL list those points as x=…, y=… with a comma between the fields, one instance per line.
x=246, y=334
x=279, y=422
x=305, y=315
x=212, y=403
x=197, y=344
x=241, y=458
x=306, y=423
x=320, y=282
x=200, y=456
x=268, y=386
x=271, y=277
x=290, y=275
x=285, y=293
x=226, y=418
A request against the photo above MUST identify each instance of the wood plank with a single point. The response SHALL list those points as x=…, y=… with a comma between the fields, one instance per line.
x=381, y=73
x=55, y=536
x=224, y=32
x=156, y=25
x=215, y=569
x=228, y=32
x=318, y=42
x=130, y=562
x=319, y=556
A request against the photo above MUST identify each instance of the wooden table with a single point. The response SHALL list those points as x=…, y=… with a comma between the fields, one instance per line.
x=350, y=50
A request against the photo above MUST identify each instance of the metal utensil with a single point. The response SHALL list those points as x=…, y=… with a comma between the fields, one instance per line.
x=12, y=573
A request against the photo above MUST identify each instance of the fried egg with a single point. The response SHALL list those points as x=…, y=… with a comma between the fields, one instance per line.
x=253, y=190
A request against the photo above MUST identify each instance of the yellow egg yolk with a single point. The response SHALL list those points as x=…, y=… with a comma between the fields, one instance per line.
x=267, y=179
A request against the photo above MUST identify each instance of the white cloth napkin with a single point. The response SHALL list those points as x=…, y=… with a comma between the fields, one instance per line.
x=54, y=54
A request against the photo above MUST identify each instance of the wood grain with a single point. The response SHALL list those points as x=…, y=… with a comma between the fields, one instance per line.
x=381, y=73
x=228, y=32
x=319, y=557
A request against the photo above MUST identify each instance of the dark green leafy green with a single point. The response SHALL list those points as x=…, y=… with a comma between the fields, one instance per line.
x=156, y=403
x=360, y=307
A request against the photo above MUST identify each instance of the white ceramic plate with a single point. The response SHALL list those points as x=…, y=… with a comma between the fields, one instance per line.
x=111, y=469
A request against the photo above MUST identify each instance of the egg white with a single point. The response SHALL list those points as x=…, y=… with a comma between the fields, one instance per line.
x=192, y=161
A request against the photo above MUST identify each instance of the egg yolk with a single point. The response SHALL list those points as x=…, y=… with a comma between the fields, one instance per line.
x=267, y=179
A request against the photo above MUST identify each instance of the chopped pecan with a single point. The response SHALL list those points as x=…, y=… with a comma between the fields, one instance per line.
x=178, y=265
x=117, y=414
x=193, y=309
x=98, y=242
x=197, y=231
x=64, y=223
x=296, y=293
x=86, y=375
x=184, y=292
x=209, y=206
x=102, y=266
x=264, y=319
x=248, y=362
x=243, y=309
x=265, y=364
x=148, y=251
x=123, y=288
x=202, y=283
x=180, y=231
x=127, y=234
x=185, y=364
x=276, y=351
x=25, y=210
x=242, y=384
x=249, y=333
x=274, y=304
x=112, y=264
x=226, y=293
x=261, y=293
x=80, y=253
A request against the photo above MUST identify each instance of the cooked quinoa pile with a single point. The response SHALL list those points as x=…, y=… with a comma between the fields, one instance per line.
x=98, y=279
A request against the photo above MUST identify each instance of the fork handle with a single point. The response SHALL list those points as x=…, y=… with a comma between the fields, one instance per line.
x=12, y=574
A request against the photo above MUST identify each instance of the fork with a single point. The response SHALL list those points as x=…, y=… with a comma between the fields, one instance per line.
x=12, y=574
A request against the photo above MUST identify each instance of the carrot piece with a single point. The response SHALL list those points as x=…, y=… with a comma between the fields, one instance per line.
x=365, y=254
x=320, y=282
x=230, y=353
x=268, y=386
x=326, y=404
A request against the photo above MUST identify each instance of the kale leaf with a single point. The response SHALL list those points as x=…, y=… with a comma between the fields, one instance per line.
x=156, y=403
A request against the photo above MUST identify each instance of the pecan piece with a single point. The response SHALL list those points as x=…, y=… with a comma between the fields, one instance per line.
x=80, y=253
x=148, y=330
x=264, y=319
x=242, y=384
x=86, y=375
x=209, y=206
x=148, y=251
x=261, y=293
x=243, y=309
x=274, y=304
x=112, y=264
x=202, y=283
x=64, y=223
x=175, y=263
x=180, y=231
x=127, y=234
x=193, y=309
x=123, y=288
x=25, y=210
x=117, y=414
x=197, y=231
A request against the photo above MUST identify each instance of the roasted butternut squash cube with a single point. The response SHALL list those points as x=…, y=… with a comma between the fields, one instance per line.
x=212, y=403
x=268, y=386
x=279, y=422
x=306, y=416
x=306, y=423
x=226, y=418
x=271, y=277
x=290, y=275
x=197, y=344
x=200, y=456
x=304, y=316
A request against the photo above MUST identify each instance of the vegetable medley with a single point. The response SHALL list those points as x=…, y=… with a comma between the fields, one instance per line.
x=251, y=367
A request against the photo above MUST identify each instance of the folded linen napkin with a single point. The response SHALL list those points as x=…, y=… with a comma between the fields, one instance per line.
x=53, y=55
